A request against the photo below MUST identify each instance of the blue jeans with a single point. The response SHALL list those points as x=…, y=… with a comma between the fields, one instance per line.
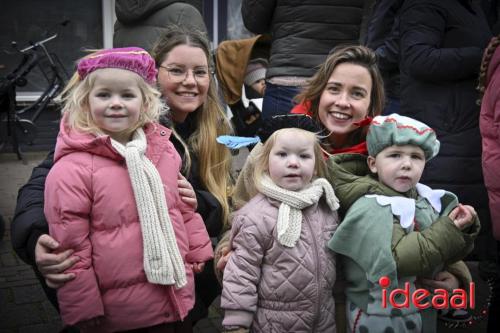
x=278, y=100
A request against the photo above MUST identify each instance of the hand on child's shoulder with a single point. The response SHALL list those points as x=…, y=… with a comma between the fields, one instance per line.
x=186, y=192
x=198, y=267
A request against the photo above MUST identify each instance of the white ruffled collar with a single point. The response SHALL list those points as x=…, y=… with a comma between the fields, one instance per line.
x=405, y=207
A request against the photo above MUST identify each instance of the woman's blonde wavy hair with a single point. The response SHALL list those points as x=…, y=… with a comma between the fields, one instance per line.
x=262, y=159
x=210, y=121
x=75, y=99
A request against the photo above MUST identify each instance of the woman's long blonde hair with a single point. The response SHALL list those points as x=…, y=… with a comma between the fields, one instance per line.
x=210, y=121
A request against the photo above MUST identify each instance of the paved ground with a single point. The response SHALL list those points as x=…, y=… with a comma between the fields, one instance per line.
x=23, y=307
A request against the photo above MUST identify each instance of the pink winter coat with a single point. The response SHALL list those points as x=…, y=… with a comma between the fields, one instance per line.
x=489, y=123
x=90, y=207
x=274, y=288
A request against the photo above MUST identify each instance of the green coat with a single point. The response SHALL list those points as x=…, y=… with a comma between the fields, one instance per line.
x=351, y=179
x=393, y=252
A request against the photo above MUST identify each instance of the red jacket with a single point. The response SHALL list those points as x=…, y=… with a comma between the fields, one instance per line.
x=489, y=123
x=90, y=207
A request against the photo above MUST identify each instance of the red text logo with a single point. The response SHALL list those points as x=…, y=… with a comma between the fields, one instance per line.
x=422, y=298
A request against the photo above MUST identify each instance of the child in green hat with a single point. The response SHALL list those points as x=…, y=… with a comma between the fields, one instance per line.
x=396, y=228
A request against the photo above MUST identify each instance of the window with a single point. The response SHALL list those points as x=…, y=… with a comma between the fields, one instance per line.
x=28, y=21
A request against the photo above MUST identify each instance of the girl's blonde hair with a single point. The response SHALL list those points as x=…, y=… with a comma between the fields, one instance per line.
x=210, y=121
x=485, y=63
x=262, y=159
x=353, y=54
x=75, y=99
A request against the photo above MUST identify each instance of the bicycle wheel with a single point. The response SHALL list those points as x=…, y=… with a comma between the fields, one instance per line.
x=26, y=131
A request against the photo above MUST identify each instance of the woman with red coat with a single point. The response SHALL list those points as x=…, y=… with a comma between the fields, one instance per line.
x=489, y=124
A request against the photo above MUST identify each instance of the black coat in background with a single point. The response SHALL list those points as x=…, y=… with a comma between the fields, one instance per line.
x=383, y=37
x=442, y=44
x=303, y=31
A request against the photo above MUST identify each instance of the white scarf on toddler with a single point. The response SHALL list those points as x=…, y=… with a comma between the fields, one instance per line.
x=292, y=202
x=163, y=262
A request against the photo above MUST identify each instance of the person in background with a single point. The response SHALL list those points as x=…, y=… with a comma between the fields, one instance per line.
x=279, y=238
x=441, y=46
x=247, y=119
x=243, y=103
x=383, y=37
x=198, y=118
x=136, y=261
x=297, y=49
x=489, y=123
x=418, y=230
x=141, y=23
x=255, y=77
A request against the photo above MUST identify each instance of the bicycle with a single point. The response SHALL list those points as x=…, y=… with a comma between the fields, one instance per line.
x=23, y=130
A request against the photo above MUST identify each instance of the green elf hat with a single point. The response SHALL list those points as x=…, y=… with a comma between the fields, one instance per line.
x=398, y=130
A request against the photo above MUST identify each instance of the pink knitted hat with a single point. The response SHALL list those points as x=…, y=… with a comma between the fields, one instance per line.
x=133, y=59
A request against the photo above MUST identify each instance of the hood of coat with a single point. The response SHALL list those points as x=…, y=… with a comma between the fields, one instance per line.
x=70, y=141
x=494, y=64
x=132, y=11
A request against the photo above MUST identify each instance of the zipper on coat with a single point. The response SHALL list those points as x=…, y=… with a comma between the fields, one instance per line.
x=316, y=305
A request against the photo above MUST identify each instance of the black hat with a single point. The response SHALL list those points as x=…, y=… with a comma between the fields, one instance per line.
x=271, y=125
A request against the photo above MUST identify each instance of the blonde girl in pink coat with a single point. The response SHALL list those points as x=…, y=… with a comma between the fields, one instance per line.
x=113, y=197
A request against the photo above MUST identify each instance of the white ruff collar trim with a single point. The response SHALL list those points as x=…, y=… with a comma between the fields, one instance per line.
x=433, y=196
x=405, y=207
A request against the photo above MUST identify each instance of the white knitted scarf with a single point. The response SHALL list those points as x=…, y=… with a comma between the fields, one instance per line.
x=163, y=263
x=292, y=202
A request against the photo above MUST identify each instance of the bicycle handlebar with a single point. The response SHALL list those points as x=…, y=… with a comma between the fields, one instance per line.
x=37, y=44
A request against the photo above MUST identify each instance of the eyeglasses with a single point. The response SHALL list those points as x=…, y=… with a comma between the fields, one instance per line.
x=179, y=74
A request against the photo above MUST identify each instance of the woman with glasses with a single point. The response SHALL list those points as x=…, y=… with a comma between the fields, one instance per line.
x=185, y=76
x=185, y=79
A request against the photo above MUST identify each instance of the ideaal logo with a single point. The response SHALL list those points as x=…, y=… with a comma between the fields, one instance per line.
x=439, y=299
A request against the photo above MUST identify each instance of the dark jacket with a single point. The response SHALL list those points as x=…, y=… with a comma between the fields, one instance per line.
x=141, y=22
x=383, y=38
x=303, y=31
x=441, y=49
